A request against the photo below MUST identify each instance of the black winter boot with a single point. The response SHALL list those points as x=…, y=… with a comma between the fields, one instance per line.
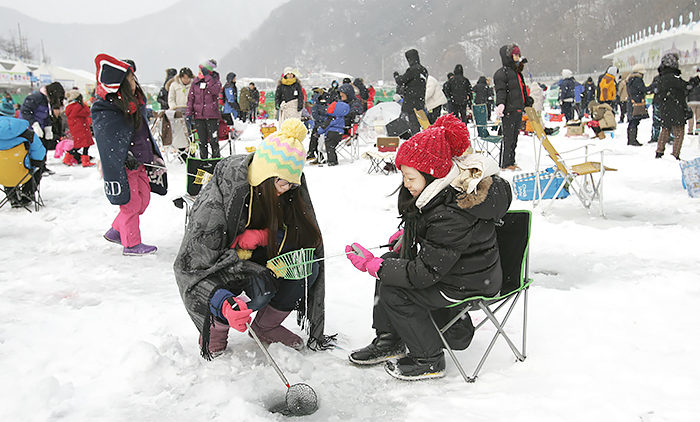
x=632, y=137
x=385, y=346
x=412, y=368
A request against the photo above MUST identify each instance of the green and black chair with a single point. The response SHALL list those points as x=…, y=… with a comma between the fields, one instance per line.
x=513, y=243
x=484, y=141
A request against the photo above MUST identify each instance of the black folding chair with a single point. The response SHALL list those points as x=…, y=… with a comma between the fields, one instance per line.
x=513, y=243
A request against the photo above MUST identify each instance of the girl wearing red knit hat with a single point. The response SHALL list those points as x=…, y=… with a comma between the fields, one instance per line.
x=445, y=251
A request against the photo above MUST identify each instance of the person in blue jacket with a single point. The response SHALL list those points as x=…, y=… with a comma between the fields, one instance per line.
x=337, y=110
x=12, y=133
x=132, y=164
x=231, y=106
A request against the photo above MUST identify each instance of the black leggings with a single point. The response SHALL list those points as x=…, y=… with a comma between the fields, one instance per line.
x=208, y=132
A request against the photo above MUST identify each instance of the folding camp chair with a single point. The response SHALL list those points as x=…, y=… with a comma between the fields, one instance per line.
x=584, y=179
x=382, y=159
x=484, y=141
x=17, y=181
x=422, y=119
x=179, y=137
x=513, y=238
x=349, y=145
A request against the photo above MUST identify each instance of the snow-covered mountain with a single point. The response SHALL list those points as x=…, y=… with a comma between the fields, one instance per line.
x=367, y=38
x=184, y=34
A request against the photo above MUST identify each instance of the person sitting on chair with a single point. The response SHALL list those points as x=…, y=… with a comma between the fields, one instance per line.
x=13, y=132
x=446, y=251
x=343, y=117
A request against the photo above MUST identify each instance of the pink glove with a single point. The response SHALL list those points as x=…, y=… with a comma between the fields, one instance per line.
x=237, y=319
x=251, y=239
x=363, y=259
x=500, y=109
x=395, y=241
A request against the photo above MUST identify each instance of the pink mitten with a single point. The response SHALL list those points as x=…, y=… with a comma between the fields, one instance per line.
x=395, y=241
x=373, y=266
x=251, y=239
x=363, y=259
x=237, y=319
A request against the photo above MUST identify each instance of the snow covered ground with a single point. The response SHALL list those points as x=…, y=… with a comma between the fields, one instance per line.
x=87, y=334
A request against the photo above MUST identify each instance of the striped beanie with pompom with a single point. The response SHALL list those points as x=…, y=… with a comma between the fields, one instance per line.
x=431, y=151
x=281, y=155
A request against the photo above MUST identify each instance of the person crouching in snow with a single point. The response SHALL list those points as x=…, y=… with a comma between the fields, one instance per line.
x=79, y=122
x=255, y=208
x=447, y=250
x=126, y=147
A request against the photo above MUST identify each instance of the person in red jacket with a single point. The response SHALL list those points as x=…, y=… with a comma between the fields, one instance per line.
x=79, y=123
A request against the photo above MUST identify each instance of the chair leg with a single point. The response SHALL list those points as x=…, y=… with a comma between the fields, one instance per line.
x=451, y=353
x=499, y=326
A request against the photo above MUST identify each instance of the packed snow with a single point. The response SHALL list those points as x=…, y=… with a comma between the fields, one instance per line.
x=87, y=334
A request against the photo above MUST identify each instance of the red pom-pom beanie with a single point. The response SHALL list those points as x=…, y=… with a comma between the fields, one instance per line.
x=431, y=150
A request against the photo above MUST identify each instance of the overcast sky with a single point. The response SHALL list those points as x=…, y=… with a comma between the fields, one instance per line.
x=87, y=11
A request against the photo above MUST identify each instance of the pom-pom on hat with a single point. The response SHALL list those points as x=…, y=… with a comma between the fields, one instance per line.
x=110, y=73
x=281, y=155
x=210, y=65
x=431, y=151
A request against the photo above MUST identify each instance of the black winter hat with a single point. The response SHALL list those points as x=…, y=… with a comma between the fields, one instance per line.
x=670, y=60
x=56, y=93
x=348, y=90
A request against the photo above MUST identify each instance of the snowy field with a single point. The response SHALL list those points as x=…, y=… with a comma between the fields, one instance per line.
x=87, y=334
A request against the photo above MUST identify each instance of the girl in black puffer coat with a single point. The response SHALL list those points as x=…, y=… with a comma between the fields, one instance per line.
x=672, y=91
x=446, y=251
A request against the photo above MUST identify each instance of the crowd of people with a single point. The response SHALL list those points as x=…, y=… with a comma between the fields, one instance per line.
x=257, y=207
x=675, y=102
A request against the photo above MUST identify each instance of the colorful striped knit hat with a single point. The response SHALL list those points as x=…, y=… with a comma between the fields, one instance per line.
x=281, y=155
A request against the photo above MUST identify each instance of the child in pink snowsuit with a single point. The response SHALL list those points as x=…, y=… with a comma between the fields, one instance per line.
x=131, y=162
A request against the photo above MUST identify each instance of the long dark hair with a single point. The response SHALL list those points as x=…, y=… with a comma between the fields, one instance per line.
x=273, y=212
x=409, y=218
x=129, y=103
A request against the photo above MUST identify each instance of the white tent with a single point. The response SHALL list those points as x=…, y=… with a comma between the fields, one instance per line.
x=81, y=79
x=20, y=67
